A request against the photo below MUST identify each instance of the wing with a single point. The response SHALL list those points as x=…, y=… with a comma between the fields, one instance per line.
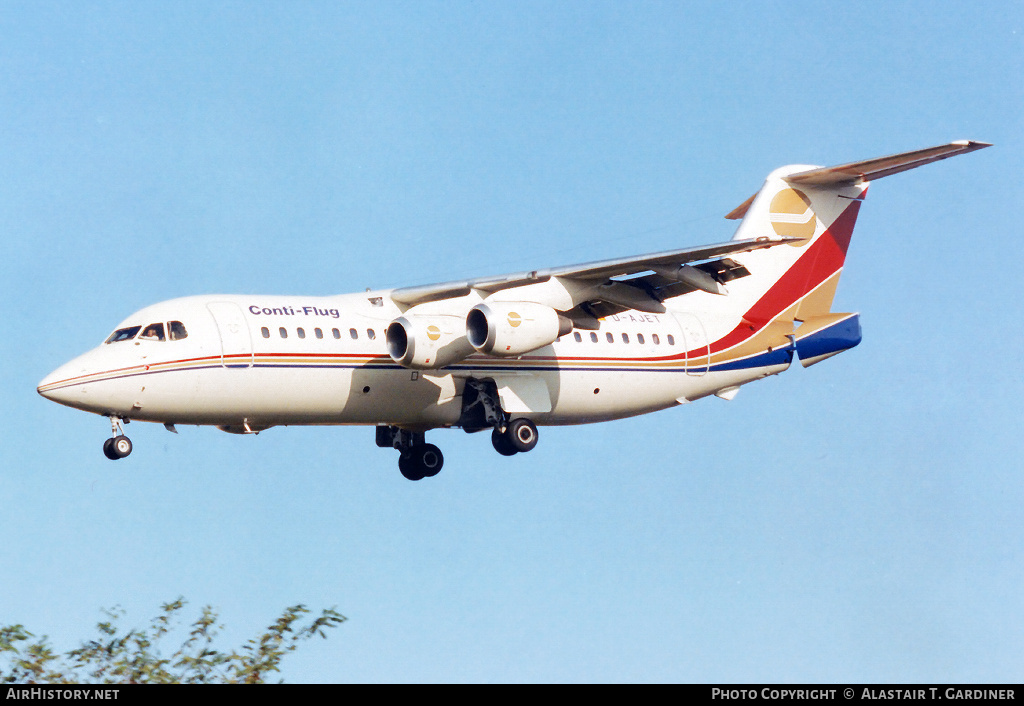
x=712, y=258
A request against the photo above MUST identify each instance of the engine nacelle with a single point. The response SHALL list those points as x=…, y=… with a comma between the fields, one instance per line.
x=427, y=342
x=513, y=328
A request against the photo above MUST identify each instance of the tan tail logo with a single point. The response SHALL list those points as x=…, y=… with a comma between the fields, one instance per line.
x=790, y=214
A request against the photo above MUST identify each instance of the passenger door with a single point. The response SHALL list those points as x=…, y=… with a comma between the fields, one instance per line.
x=235, y=341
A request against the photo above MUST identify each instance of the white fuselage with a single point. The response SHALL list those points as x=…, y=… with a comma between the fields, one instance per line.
x=252, y=362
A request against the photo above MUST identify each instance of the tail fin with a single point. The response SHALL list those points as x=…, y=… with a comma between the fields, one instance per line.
x=822, y=217
x=818, y=205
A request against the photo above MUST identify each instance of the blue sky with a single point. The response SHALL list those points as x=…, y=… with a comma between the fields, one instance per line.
x=857, y=521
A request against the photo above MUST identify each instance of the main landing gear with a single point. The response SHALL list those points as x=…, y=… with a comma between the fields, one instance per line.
x=419, y=462
x=119, y=445
x=518, y=436
x=417, y=459
x=481, y=410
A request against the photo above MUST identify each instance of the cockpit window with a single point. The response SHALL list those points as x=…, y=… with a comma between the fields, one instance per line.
x=177, y=330
x=123, y=334
x=154, y=332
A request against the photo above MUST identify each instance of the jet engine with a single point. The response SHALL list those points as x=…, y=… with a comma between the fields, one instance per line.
x=427, y=342
x=513, y=328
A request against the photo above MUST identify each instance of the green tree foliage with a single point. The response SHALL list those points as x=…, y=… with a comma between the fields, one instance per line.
x=135, y=657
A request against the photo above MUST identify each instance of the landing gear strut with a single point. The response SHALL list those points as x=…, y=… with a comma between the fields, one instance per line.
x=417, y=459
x=119, y=445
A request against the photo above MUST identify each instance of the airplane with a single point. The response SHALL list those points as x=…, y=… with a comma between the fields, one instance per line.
x=566, y=345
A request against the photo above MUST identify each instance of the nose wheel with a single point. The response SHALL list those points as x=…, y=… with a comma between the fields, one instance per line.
x=119, y=445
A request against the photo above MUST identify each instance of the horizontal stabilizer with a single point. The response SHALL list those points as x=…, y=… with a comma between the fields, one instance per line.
x=871, y=169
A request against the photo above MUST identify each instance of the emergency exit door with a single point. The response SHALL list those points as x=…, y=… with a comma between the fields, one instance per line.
x=695, y=339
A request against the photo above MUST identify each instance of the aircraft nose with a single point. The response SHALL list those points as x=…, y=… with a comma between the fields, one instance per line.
x=60, y=385
x=83, y=384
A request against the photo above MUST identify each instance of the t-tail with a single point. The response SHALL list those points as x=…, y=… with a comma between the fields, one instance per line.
x=787, y=300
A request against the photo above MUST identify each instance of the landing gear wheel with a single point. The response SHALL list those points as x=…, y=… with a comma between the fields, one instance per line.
x=408, y=467
x=501, y=443
x=416, y=458
x=419, y=462
x=430, y=459
x=117, y=448
x=121, y=446
x=522, y=434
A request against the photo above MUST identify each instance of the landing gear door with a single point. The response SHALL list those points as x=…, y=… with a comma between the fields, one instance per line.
x=695, y=340
x=235, y=342
x=523, y=394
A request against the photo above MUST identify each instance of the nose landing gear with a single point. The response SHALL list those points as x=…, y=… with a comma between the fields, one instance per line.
x=119, y=445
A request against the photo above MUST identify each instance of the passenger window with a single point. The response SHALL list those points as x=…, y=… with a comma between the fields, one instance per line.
x=370, y=334
x=654, y=337
x=577, y=336
x=153, y=332
x=625, y=338
x=265, y=331
x=283, y=331
x=593, y=337
x=640, y=338
x=610, y=337
x=353, y=333
x=336, y=332
x=318, y=332
x=671, y=340
x=123, y=334
x=301, y=332
x=176, y=330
